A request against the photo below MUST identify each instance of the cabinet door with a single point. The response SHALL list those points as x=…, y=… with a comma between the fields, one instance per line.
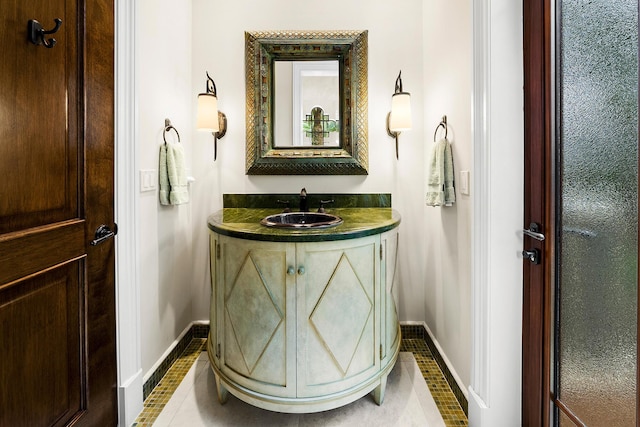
x=215, y=311
x=338, y=314
x=389, y=288
x=256, y=300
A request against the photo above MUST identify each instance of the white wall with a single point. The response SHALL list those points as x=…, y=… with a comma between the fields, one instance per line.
x=395, y=42
x=165, y=234
x=496, y=372
x=177, y=43
x=431, y=41
x=447, y=82
x=434, y=253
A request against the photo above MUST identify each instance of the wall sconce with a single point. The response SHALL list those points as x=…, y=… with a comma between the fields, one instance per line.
x=399, y=118
x=209, y=118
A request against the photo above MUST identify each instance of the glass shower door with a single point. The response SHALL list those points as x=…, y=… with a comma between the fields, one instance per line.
x=595, y=341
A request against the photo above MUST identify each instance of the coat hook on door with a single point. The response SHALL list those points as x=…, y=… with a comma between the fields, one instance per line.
x=37, y=33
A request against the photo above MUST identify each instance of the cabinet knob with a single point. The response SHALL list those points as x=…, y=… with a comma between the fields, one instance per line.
x=290, y=270
x=301, y=270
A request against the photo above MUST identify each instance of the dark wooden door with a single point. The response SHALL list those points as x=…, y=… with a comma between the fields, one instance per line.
x=57, y=295
x=580, y=312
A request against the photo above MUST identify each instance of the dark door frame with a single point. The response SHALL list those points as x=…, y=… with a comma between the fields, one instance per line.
x=536, y=310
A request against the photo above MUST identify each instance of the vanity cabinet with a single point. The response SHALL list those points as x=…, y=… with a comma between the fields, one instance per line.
x=303, y=326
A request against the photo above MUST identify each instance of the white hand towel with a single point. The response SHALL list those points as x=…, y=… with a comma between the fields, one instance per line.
x=173, y=176
x=163, y=177
x=440, y=185
x=177, y=174
x=449, y=190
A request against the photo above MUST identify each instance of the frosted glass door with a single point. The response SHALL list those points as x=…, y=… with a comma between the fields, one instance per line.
x=597, y=206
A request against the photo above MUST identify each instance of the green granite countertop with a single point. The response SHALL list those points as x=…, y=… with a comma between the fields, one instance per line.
x=358, y=222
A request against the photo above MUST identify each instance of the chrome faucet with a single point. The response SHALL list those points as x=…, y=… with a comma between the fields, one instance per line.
x=303, y=201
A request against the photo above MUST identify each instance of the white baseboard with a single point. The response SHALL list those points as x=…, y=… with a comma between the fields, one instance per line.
x=477, y=409
x=173, y=345
x=130, y=399
x=200, y=322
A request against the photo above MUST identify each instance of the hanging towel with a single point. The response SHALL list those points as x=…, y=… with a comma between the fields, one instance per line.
x=173, y=177
x=164, y=176
x=440, y=186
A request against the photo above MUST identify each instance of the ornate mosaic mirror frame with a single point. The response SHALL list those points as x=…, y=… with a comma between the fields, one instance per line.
x=350, y=48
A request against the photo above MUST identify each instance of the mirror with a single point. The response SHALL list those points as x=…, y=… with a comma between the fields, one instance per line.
x=306, y=109
x=306, y=104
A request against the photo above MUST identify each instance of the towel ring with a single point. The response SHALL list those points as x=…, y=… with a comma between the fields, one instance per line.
x=168, y=127
x=442, y=123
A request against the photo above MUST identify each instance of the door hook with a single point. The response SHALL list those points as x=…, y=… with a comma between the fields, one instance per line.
x=37, y=33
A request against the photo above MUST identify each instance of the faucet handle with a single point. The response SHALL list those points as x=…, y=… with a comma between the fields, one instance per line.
x=287, y=205
x=322, y=203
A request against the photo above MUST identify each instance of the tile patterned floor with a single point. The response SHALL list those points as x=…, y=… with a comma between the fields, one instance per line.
x=446, y=401
x=449, y=407
x=154, y=403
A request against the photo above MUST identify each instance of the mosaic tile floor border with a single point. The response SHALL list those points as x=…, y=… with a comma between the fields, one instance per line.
x=419, y=332
x=446, y=401
x=197, y=330
x=162, y=392
x=413, y=340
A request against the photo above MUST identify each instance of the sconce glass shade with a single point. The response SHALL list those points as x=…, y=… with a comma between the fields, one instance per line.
x=207, y=119
x=400, y=118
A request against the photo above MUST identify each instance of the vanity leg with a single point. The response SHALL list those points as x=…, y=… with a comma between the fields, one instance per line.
x=223, y=394
x=378, y=392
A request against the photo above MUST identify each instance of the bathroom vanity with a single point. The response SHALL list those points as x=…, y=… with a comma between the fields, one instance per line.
x=303, y=320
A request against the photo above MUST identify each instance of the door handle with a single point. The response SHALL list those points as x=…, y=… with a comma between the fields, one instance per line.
x=104, y=233
x=534, y=231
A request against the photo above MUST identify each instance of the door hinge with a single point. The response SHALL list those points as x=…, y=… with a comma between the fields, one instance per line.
x=218, y=351
x=380, y=252
x=380, y=351
x=217, y=250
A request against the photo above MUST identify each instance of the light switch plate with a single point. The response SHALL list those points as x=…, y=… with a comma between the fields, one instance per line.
x=464, y=183
x=148, y=179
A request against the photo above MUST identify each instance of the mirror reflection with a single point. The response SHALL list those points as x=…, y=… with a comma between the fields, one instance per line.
x=307, y=103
